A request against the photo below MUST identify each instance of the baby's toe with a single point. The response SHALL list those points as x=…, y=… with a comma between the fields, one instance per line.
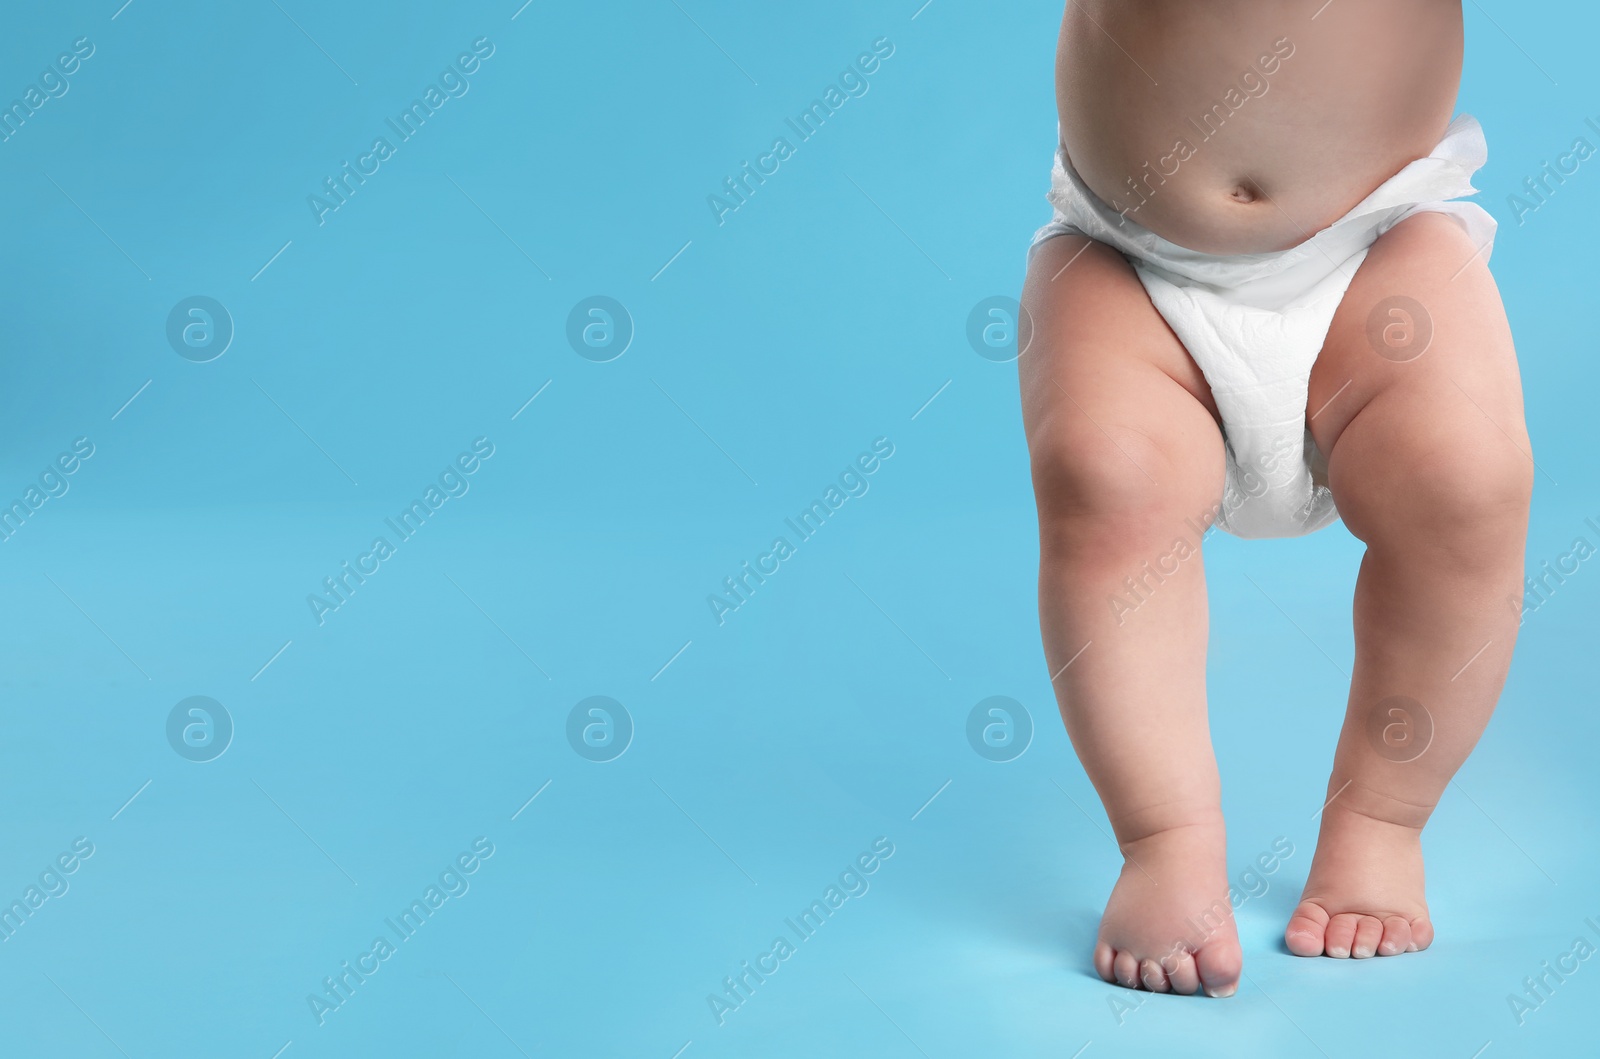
x=1152, y=977
x=1219, y=964
x=1103, y=958
x=1369, y=931
x=1421, y=933
x=1183, y=974
x=1126, y=970
x=1341, y=935
x=1396, y=936
x=1306, y=930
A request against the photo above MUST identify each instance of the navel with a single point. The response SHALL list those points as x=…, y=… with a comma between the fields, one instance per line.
x=1243, y=191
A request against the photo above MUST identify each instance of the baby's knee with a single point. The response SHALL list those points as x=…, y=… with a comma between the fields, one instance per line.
x=1459, y=495
x=1095, y=498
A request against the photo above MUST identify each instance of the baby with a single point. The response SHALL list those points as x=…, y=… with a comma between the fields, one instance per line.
x=1257, y=307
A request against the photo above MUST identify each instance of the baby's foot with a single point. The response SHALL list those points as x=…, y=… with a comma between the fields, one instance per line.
x=1168, y=926
x=1364, y=895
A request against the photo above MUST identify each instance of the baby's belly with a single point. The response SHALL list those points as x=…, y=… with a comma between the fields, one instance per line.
x=1240, y=126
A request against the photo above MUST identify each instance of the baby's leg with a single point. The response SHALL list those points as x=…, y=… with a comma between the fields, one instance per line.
x=1430, y=465
x=1124, y=450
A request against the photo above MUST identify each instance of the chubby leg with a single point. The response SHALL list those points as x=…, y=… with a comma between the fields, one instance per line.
x=1128, y=467
x=1418, y=404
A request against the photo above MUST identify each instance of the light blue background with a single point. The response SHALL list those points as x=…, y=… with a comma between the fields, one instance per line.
x=772, y=749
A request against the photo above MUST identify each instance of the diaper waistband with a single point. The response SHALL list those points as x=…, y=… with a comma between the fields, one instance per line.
x=1445, y=173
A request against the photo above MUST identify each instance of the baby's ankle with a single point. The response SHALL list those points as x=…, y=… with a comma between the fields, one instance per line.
x=1361, y=806
x=1171, y=825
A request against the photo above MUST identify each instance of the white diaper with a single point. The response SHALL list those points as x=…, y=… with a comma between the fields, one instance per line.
x=1255, y=323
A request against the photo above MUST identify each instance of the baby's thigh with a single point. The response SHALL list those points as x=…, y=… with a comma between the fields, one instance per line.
x=1116, y=411
x=1415, y=397
x=1421, y=323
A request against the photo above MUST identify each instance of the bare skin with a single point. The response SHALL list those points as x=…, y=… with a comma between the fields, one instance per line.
x=1328, y=108
x=1429, y=463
